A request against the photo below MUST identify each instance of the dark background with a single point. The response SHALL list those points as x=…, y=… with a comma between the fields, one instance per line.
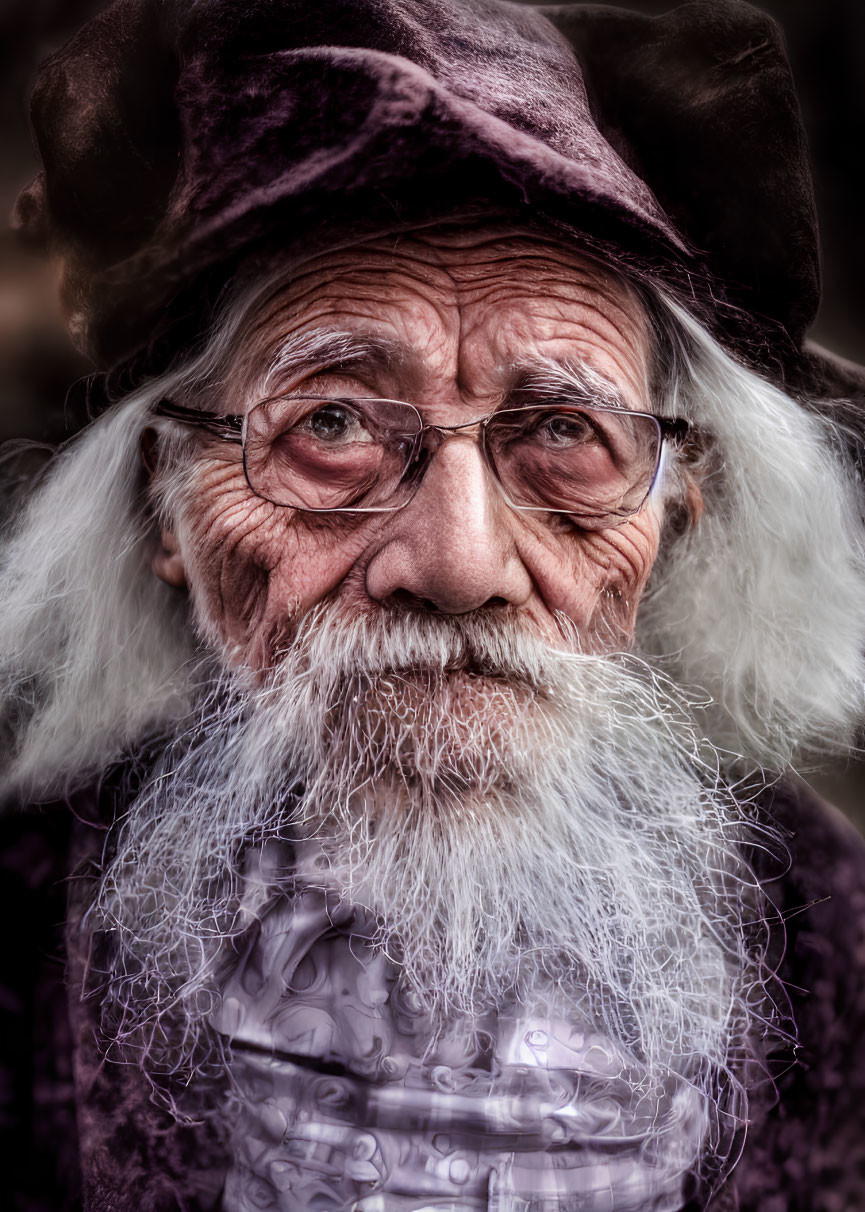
x=826, y=44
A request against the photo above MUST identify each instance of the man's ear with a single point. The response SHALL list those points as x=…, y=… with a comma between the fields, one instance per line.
x=686, y=508
x=693, y=499
x=167, y=562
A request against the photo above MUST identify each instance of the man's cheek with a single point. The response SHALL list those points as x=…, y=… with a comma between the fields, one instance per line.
x=597, y=578
x=229, y=552
x=230, y=540
x=255, y=568
x=627, y=555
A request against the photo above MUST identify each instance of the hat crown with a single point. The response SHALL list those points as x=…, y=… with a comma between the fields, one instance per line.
x=175, y=136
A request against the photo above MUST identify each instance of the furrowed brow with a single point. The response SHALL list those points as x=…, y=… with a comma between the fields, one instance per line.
x=568, y=381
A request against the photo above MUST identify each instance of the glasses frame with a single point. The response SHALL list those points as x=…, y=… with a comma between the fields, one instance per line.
x=232, y=428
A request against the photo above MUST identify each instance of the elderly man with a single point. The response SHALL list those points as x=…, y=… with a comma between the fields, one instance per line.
x=415, y=646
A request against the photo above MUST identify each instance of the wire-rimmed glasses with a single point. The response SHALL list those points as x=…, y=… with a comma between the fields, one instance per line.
x=344, y=454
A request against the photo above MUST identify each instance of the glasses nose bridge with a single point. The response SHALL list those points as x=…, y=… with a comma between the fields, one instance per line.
x=442, y=433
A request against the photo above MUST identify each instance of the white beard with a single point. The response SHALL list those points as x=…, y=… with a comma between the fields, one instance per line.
x=514, y=815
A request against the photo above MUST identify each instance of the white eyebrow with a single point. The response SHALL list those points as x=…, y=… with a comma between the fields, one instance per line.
x=570, y=378
x=320, y=348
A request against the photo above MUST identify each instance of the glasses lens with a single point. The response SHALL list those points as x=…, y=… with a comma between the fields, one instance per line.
x=595, y=464
x=323, y=454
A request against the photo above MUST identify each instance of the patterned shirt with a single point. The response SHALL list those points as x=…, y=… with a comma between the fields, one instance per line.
x=343, y=1100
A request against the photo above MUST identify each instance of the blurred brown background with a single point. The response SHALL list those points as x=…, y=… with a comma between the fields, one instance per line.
x=826, y=42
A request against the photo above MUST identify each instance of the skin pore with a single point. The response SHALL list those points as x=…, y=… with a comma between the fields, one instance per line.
x=460, y=310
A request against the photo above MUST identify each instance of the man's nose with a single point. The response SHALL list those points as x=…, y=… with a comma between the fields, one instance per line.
x=452, y=548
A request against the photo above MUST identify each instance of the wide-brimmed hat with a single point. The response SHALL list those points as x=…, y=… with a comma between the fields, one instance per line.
x=178, y=137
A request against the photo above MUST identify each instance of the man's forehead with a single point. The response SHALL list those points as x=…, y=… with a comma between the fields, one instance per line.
x=456, y=301
x=459, y=254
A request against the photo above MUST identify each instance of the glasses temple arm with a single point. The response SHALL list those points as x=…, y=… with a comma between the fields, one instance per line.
x=228, y=427
x=674, y=428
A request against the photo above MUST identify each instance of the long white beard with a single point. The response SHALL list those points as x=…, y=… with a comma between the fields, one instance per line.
x=515, y=816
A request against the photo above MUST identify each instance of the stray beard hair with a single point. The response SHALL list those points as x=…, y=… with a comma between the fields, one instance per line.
x=516, y=817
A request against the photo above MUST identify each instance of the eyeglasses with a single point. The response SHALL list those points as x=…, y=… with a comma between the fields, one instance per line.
x=597, y=464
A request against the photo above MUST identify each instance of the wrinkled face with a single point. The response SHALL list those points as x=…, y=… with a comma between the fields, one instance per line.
x=461, y=316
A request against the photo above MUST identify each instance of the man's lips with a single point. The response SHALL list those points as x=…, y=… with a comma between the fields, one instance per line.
x=462, y=692
x=434, y=677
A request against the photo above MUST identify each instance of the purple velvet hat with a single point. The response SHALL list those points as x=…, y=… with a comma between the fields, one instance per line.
x=180, y=136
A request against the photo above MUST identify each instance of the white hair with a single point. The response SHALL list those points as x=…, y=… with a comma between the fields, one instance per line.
x=761, y=605
x=763, y=602
x=94, y=650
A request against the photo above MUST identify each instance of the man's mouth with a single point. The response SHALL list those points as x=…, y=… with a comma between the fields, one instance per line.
x=456, y=679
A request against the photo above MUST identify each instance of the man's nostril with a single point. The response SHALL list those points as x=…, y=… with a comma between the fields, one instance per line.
x=404, y=599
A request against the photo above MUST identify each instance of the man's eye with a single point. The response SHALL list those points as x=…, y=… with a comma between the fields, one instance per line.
x=566, y=429
x=334, y=424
